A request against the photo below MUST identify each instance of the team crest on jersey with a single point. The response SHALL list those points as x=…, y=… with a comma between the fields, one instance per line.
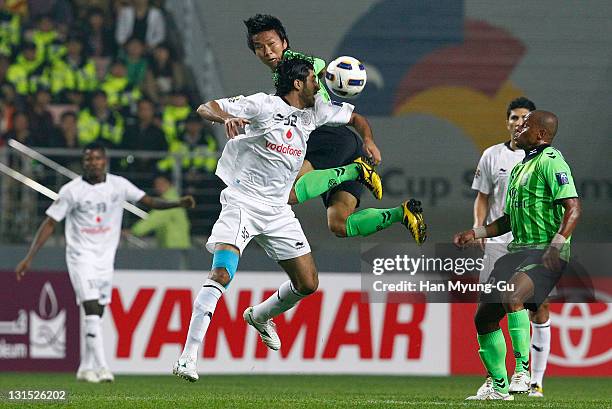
x=562, y=178
x=306, y=118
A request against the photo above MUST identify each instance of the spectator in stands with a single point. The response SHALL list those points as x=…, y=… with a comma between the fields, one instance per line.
x=198, y=147
x=72, y=72
x=171, y=227
x=40, y=119
x=48, y=40
x=10, y=30
x=68, y=132
x=67, y=136
x=174, y=115
x=122, y=95
x=27, y=73
x=135, y=61
x=60, y=11
x=141, y=21
x=145, y=134
x=100, y=123
x=11, y=102
x=21, y=129
x=99, y=38
x=164, y=75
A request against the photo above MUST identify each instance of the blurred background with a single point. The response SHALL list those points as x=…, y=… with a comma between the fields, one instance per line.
x=440, y=76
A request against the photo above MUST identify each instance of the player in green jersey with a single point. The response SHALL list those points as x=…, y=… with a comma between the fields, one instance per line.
x=331, y=148
x=542, y=210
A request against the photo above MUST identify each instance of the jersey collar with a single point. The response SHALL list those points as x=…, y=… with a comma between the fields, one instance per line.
x=534, y=152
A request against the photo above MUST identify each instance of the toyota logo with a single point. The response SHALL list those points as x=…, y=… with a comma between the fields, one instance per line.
x=575, y=355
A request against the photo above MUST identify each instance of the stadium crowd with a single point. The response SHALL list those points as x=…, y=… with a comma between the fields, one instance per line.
x=74, y=72
x=78, y=71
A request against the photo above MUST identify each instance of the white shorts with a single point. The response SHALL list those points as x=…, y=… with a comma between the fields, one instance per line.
x=493, y=252
x=90, y=282
x=275, y=228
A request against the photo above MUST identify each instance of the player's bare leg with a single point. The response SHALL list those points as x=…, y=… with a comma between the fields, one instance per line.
x=303, y=281
x=225, y=262
x=540, y=348
x=342, y=205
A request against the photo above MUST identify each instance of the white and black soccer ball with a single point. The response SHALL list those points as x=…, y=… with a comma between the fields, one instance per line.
x=346, y=77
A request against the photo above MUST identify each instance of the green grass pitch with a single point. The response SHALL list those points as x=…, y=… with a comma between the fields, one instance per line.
x=297, y=391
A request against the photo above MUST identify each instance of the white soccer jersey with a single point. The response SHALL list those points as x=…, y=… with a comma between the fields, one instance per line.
x=491, y=178
x=263, y=163
x=93, y=218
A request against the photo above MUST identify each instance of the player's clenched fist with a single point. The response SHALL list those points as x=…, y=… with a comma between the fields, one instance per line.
x=235, y=126
x=188, y=202
x=463, y=238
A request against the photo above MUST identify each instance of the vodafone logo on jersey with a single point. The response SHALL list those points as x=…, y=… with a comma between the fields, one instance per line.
x=284, y=149
x=335, y=330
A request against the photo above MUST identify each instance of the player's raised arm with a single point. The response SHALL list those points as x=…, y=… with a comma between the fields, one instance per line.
x=362, y=126
x=157, y=203
x=212, y=111
x=44, y=232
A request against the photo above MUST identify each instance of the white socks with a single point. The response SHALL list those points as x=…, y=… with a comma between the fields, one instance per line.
x=282, y=300
x=540, y=348
x=94, y=347
x=203, y=309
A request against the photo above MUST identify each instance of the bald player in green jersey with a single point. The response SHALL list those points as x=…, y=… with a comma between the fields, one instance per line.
x=542, y=210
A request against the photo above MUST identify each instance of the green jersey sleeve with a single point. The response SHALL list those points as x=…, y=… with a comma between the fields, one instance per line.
x=557, y=174
x=319, y=68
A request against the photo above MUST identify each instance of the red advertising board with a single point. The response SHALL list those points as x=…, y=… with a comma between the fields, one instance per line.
x=39, y=323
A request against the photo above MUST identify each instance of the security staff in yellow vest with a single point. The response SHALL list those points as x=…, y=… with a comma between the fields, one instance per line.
x=49, y=42
x=99, y=123
x=197, y=146
x=29, y=71
x=122, y=95
x=10, y=31
x=73, y=72
x=174, y=115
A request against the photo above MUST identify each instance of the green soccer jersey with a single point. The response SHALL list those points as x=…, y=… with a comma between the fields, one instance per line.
x=319, y=66
x=535, y=190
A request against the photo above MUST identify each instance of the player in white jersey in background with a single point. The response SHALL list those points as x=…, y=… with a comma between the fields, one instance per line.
x=259, y=168
x=93, y=208
x=491, y=181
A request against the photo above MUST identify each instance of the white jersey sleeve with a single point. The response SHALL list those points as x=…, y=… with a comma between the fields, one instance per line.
x=249, y=107
x=483, y=178
x=61, y=206
x=130, y=192
x=332, y=113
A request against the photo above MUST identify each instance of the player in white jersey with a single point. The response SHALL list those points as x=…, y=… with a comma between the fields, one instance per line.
x=259, y=168
x=491, y=181
x=93, y=208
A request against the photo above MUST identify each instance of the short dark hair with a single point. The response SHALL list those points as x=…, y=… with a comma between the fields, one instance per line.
x=264, y=22
x=520, y=102
x=66, y=114
x=95, y=146
x=289, y=70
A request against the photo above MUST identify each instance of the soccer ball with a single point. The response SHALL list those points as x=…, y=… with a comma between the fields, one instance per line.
x=346, y=77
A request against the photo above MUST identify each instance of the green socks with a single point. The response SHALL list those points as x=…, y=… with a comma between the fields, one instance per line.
x=519, y=328
x=316, y=182
x=368, y=221
x=493, y=355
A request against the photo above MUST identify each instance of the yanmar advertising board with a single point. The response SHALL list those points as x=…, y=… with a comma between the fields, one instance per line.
x=334, y=330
